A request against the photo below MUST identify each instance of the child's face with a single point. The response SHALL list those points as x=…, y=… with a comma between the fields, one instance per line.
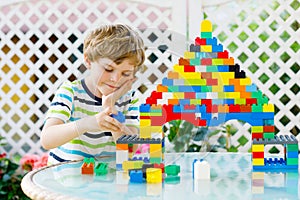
x=109, y=76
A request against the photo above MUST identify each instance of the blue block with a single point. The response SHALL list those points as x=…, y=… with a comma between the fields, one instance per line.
x=136, y=176
x=200, y=108
x=217, y=48
x=184, y=101
x=196, y=88
x=185, y=88
x=200, y=95
x=211, y=41
x=200, y=55
x=218, y=102
x=119, y=166
x=167, y=82
x=120, y=117
x=229, y=101
x=145, y=108
x=228, y=88
x=292, y=154
x=223, y=68
x=251, y=88
x=177, y=108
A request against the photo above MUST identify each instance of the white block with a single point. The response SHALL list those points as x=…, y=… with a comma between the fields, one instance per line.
x=121, y=156
x=201, y=170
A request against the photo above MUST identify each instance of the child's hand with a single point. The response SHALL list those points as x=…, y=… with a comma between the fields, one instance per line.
x=110, y=100
x=107, y=123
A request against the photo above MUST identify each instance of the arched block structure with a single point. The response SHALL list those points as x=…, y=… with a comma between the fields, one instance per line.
x=207, y=88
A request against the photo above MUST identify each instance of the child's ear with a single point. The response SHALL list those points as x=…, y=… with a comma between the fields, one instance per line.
x=87, y=61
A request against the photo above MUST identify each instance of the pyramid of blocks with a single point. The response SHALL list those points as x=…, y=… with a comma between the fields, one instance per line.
x=207, y=88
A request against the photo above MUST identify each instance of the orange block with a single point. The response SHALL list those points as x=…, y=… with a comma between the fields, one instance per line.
x=122, y=146
x=161, y=88
x=245, y=95
x=223, y=108
x=235, y=82
x=173, y=75
x=246, y=108
x=173, y=101
x=229, y=61
x=240, y=88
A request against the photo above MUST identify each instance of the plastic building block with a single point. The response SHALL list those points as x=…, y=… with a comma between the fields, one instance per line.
x=120, y=117
x=153, y=175
x=101, y=169
x=88, y=166
x=134, y=139
x=136, y=176
x=201, y=170
x=172, y=170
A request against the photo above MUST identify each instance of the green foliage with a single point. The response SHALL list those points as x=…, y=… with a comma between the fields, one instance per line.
x=187, y=138
x=10, y=180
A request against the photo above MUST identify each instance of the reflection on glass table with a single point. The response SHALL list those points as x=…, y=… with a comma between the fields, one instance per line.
x=231, y=178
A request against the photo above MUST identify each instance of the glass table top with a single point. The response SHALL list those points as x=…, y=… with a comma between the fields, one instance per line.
x=231, y=178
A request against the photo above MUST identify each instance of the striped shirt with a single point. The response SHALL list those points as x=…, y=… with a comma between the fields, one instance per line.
x=74, y=101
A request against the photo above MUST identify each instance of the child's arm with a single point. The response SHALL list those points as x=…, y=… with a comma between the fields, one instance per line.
x=56, y=133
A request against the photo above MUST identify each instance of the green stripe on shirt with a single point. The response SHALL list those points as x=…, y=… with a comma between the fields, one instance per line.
x=92, y=146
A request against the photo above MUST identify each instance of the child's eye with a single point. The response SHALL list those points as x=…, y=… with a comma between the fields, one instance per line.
x=108, y=70
x=126, y=74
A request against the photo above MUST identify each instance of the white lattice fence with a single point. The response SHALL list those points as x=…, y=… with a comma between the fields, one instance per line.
x=264, y=37
x=41, y=46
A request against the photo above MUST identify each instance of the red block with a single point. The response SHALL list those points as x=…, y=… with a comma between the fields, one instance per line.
x=151, y=101
x=158, y=120
x=206, y=61
x=190, y=95
x=189, y=107
x=183, y=61
x=144, y=117
x=201, y=122
x=269, y=129
x=223, y=54
x=257, y=135
x=206, y=101
x=160, y=166
x=251, y=101
x=156, y=95
x=200, y=41
x=211, y=81
x=234, y=108
x=214, y=109
x=257, y=154
x=189, y=68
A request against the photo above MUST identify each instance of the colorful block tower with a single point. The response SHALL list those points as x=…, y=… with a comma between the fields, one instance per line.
x=207, y=88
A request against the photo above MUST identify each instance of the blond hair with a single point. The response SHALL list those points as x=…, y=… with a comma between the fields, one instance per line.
x=116, y=42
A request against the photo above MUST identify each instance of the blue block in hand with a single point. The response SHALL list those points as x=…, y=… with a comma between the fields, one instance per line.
x=120, y=117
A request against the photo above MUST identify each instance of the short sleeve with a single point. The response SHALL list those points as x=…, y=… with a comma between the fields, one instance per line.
x=61, y=105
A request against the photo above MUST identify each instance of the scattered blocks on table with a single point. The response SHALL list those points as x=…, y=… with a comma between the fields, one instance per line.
x=88, y=166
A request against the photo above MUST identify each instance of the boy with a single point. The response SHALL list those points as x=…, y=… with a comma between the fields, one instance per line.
x=78, y=123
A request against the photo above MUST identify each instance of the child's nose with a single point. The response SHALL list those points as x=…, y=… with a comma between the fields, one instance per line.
x=115, y=77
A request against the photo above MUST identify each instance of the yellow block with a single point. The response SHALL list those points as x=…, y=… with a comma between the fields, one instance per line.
x=257, y=129
x=221, y=95
x=258, y=148
x=156, y=129
x=206, y=26
x=189, y=55
x=156, y=154
x=145, y=122
x=154, y=175
x=178, y=95
x=126, y=165
x=145, y=132
x=218, y=88
x=195, y=101
x=245, y=81
x=206, y=48
x=258, y=161
x=178, y=68
x=155, y=148
x=223, y=77
x=232, y=95
x=190, y=75
x=268, y=108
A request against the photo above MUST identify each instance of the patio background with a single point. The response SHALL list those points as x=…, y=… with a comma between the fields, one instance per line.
x=41, y=46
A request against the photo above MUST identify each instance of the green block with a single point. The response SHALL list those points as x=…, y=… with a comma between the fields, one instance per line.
x=240, y=101
x=206, y=34
x=217, y=61
x=173, y=89
x=155, y=160
x=206, y=88
x=195, y=82
x=292, y=147
x=292, y=161
x=268, y=135
x=256, y=108
x=212, y=69
x=155, y=114
x=172, y=170
x=195, y=61
x=101, y=169
x=257, y=95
